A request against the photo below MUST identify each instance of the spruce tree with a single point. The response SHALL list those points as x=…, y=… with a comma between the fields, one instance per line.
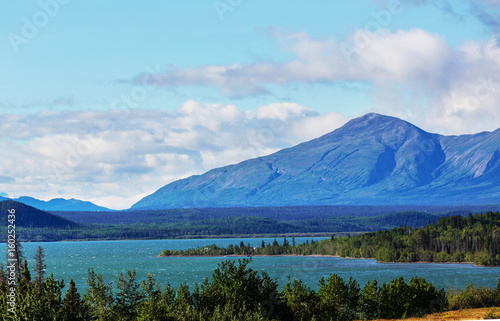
x=73, y=307
x=40, y=267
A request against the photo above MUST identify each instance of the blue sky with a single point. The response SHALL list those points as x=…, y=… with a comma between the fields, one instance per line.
x=109, y=100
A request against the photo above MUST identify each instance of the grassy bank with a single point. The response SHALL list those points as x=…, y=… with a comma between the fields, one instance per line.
x=466, y=314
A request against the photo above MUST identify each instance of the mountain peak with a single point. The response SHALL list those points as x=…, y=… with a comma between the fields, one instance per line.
x=375, y=120
x=373, y=159
x=371, y=116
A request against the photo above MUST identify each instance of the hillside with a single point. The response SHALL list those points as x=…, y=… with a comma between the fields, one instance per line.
x=372, y=160
x=30, y=217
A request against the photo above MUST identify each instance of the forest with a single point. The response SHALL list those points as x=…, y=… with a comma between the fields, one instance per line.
x=474, y=239
x=234, y=292
x=280, y=213
x=39, y=226
x=222, y=227
x=245, y=226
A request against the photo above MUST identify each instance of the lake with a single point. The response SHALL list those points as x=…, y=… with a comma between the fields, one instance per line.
x=110, y=258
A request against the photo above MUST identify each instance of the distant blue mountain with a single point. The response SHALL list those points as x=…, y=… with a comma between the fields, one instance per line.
x=372, y=160
x=58, y=204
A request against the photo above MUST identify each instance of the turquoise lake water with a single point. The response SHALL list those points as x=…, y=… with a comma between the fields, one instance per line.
x=68, y=260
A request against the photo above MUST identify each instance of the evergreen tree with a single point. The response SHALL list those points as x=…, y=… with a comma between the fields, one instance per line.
x=334, y=299
x=40, y=267
x=129, y=296
x=98, y=296
x=74, y=308
x=24, y=279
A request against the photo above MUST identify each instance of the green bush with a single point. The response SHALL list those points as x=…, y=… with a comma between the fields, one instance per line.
x=473, y=297
x=237, y=287
x=401, y=300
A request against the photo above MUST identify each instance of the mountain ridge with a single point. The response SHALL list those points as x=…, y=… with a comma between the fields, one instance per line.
x=58, y=204
x=371, y=160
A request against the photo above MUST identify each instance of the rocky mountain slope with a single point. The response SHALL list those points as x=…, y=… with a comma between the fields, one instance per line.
x=372, y=160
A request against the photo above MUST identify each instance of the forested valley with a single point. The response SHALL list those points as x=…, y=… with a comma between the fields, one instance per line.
x=40, y=226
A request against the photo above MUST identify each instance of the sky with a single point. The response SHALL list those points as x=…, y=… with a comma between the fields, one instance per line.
x=107, y=101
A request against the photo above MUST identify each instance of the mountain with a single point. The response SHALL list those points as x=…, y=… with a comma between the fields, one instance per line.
x=28, y=216
x=371, y=160
x=58, y=204
x=61, y=204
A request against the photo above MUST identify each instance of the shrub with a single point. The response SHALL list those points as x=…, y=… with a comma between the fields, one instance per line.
x=473, y=297
x=401, y=300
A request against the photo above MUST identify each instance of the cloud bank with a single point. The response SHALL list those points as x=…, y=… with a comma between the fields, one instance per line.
x=116, y=157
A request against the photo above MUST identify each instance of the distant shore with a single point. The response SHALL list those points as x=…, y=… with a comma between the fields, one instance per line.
x=200, y=237
x=325, y=255
x=256, y=255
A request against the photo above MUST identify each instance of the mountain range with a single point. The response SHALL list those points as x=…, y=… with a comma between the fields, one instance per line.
x=371, y=160
x=58, y=204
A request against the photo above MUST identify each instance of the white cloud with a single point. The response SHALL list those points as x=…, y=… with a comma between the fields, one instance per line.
x=399, y=56
x=116, y=157
x=466, y=96
x=282, y=111
x=413, y=55
x=312, y=127
x=413, y=74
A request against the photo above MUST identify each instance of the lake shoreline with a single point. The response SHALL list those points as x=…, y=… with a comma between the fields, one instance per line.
x=325, y=255
x=200, y=237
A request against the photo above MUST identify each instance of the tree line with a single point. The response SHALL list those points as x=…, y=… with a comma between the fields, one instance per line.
x=218, y=227
x=40, y=226
x=474, y=239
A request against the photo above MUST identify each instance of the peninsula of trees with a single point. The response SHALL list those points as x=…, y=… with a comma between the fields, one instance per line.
x=472, y=239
